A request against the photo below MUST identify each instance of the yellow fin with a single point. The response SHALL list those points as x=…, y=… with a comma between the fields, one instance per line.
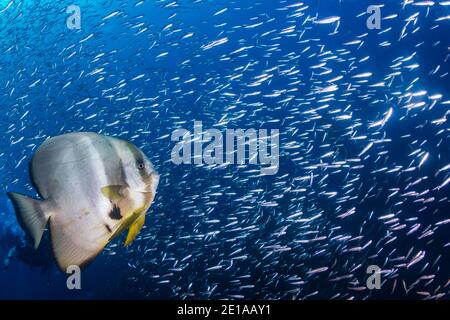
x=135, y=228
x=113, y=192
x=127, y=222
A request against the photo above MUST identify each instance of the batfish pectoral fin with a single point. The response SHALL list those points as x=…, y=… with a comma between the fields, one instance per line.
x=114, y=192
x=125, y=223
x=31, y=215
x=135, y=228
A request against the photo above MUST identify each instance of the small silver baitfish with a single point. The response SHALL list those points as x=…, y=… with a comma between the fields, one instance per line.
x=93, y=187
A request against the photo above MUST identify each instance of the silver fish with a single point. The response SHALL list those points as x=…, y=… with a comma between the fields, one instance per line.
x=93, y=187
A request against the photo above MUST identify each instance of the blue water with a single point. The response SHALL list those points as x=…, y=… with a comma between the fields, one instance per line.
x=55, y=80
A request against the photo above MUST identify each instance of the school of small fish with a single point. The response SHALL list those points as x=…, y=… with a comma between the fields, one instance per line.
x=364, y=173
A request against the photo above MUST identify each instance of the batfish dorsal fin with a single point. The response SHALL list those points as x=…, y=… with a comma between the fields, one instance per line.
x=135, y=228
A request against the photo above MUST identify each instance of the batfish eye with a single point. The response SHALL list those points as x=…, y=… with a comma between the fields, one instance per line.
x=140, y=165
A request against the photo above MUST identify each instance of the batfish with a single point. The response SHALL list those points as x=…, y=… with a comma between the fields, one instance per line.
x=93, y=187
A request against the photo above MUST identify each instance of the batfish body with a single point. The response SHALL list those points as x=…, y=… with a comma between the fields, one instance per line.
x=93, y=187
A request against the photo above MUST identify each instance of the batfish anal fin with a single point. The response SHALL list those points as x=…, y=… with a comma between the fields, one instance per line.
x=67, y=246
x=113, y=192
x=135, y=228
x=31, y=215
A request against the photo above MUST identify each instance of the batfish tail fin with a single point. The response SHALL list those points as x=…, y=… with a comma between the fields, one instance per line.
x=31, y=215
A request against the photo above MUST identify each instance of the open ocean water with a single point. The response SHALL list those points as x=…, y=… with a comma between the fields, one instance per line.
x=364, y=143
